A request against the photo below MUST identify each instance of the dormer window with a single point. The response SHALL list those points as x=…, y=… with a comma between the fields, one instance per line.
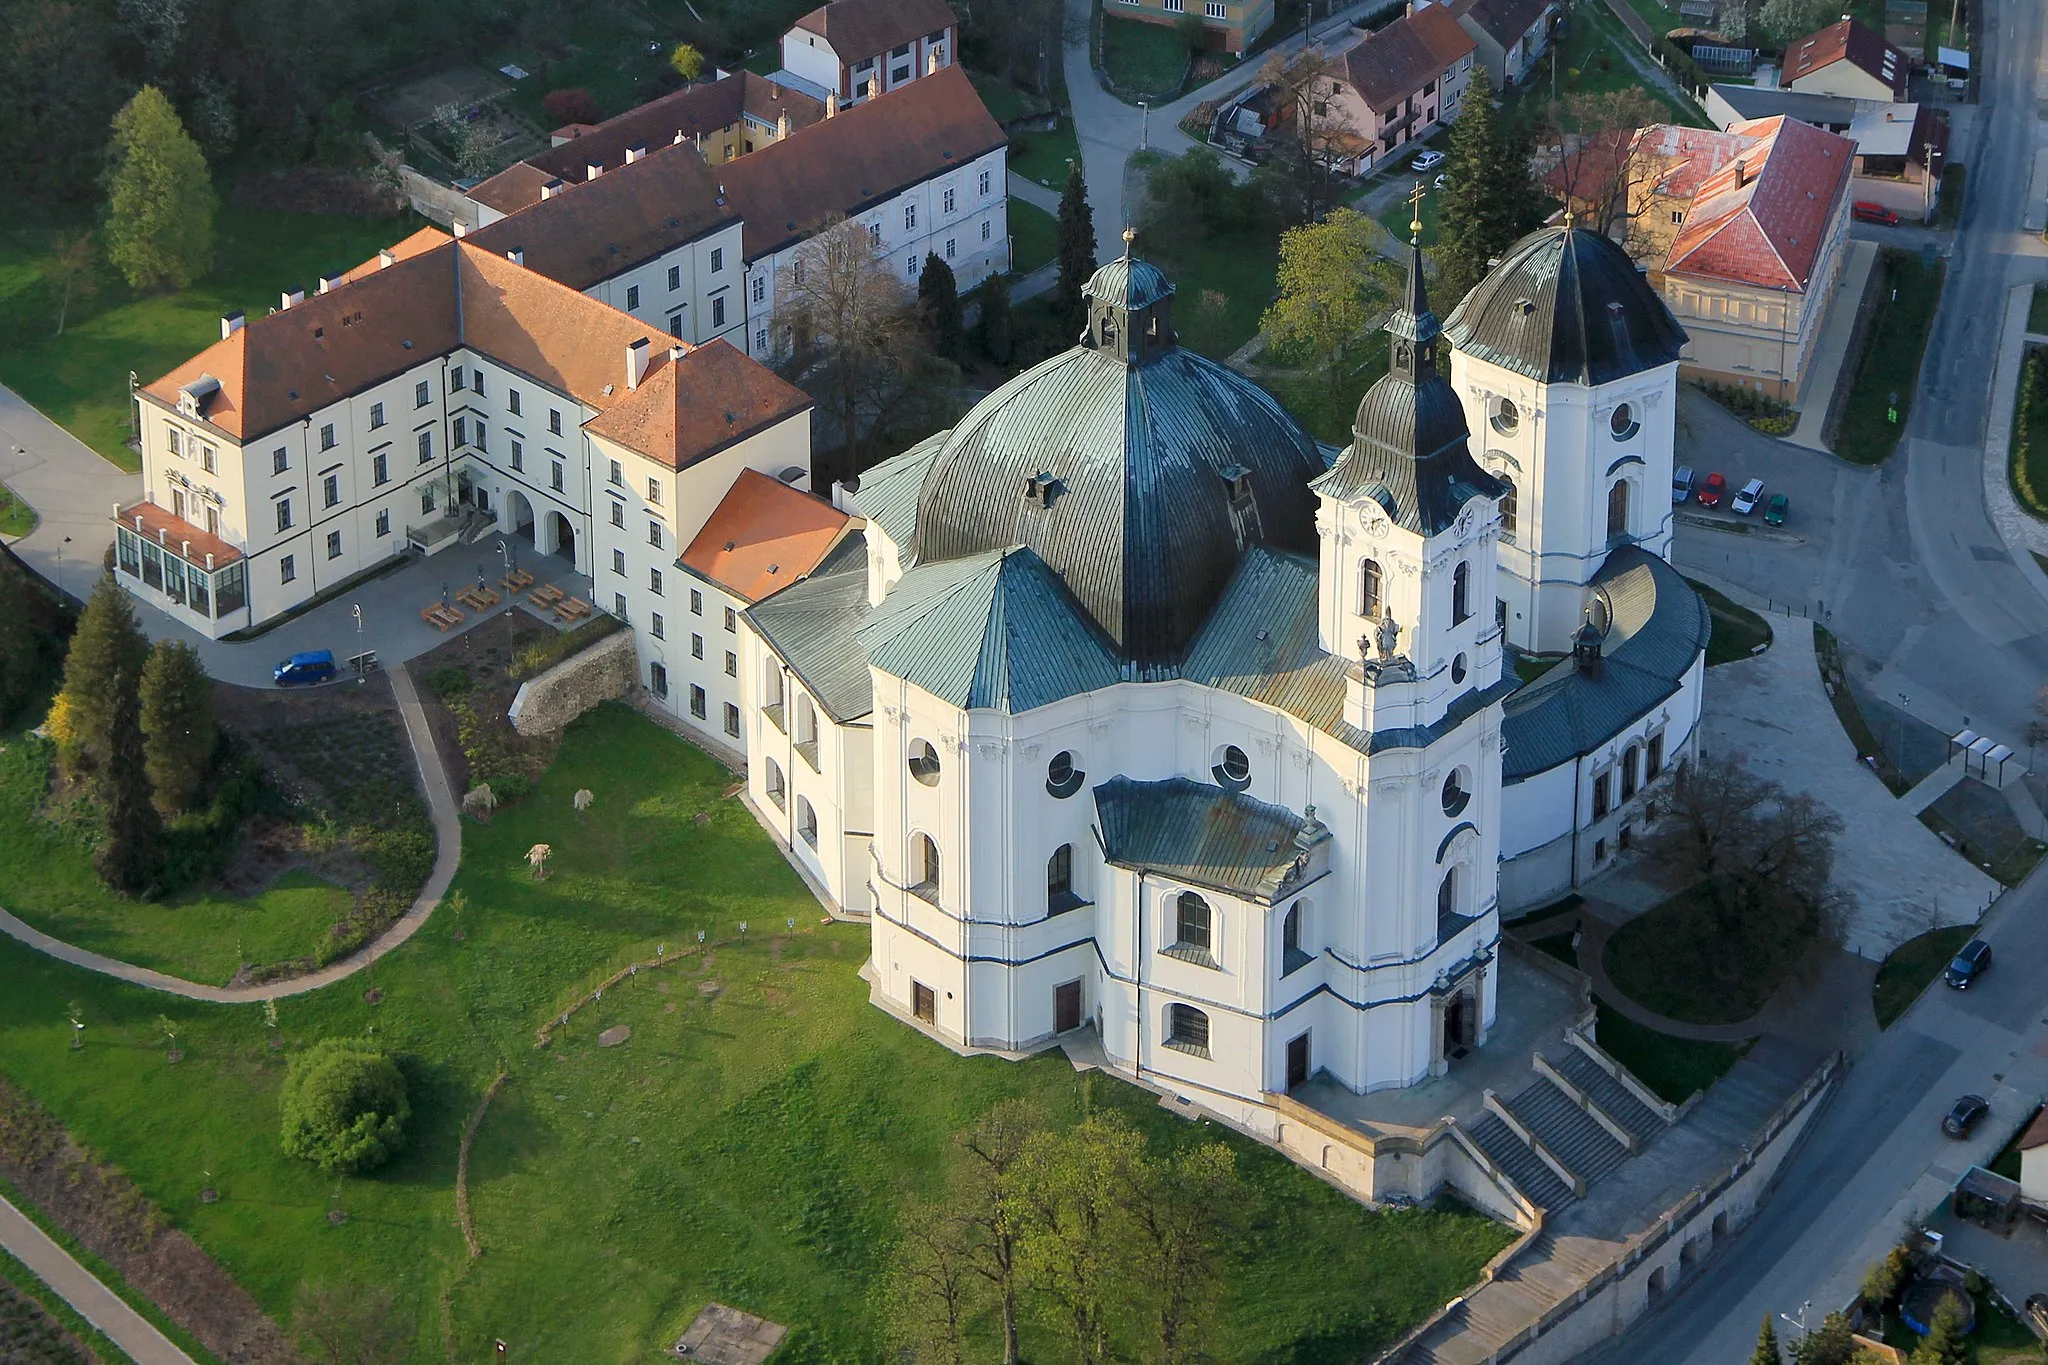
x=1041, y=489
x=1240, y=481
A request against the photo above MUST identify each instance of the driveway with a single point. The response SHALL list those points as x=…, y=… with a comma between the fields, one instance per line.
x=73, y=489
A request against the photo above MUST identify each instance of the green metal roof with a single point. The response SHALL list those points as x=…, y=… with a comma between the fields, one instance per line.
x=1263, y=642
x=1199, y=833
x=811, y=623
x=888, y=492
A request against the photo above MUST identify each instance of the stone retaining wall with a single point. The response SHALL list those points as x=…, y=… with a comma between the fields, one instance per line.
x=607, y=671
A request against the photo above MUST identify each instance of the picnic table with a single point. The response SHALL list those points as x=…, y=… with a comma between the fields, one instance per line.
x=572, y=609
x=441, y=618
x=519, y=580
x=546, y=596
x=482, y=599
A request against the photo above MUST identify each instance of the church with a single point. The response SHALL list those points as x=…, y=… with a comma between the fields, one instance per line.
x=1131, y=705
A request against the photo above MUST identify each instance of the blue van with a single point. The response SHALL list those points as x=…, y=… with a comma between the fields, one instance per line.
x=315, y=666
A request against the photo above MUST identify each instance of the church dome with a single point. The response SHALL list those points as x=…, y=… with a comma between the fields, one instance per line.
x=1566, y=306
x=1138, y=471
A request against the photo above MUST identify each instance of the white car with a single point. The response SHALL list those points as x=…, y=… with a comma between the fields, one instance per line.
x=1752, y=493
x=1443, y=182
x=1427, y=160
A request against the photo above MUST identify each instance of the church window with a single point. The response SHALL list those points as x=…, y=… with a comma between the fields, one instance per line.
x=1191, y=922
x=1459, y=667
x=1623, y=422
x=1292, y=954
x=1062, y=777
x=924, y=762
x=1629, y=756
x=1509, y=506
x=1187, y=1029
x=806, y=721
x=1233, y=768
x=806, y=822
x=1653, y=758
x=1461, y=593
x=1108, y=332
x=1507, y=418
x=1603, y=787
x=1371, y=598
x=1617, y=509
x=1059, y=881
x=924, y=864
x=777, y=789
x=1457, y=793
x=1447, y=894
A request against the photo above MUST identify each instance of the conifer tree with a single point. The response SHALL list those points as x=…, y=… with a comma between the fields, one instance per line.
x=103, y=668
x=992, y=326
x=178, y=725
x=1943, y=1344
x=1076, y=249
x=130, y=853
x=160, y=199
x=1766, y=1346
x=1489, y=200
x=938, y=308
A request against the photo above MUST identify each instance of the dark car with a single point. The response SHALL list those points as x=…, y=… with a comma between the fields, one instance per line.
x=314, y=666
x=1713, y=490
x=1775, y=509
x=1965, y=1114
x=1968, y=965
x=1863, y=211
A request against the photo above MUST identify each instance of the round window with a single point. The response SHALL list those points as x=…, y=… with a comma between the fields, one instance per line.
x=924, y=762
x=1062, y=777
x=1623, y=422
x=1456, y=796
x=1506, y=416
x=1458, y=669
x=1233, y=768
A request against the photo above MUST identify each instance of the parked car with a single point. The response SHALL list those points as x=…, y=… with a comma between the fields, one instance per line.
x=2037, y=1314
x=1713, y=490
x=1965, y=1114
x=1427, y=160
x=1681, y=484
x=314, y=666
x=1443, y=181
x=1752, y=493
x=1775, y=509
x=1968, y=965
x=1863, y=211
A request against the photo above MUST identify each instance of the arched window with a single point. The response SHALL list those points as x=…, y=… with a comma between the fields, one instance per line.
x=806, y=720
x=1447, y=893
x=1292, y=954
x=924, y=865
x=771, y=687
x=1059, y=881
x=1629, y=758
x=1191, y=922
x=806, y=822
x=1461, y=593
x=1617, y=509
x=1508, y=505
x=777, y=789
x=1187, y=1028
x=1371, y=597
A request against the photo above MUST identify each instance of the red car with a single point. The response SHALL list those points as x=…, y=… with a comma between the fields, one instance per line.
x=1863, y=211
x=1713, y=490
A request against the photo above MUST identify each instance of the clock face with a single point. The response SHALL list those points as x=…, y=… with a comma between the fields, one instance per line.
x=1465, y=521
x=1374, y=522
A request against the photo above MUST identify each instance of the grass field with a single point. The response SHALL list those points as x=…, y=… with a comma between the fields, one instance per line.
x=17, y=518
x=1674, y=961
x=1737, y=631
x=1675, y=1068
x=1043, y=157
x=1146, y=61
x=1034, y=237
x=2037, y=309
x=1890, y=363
x=751, y=1142
x=1222, y=284
x=80, y=380
x=2027, y=461
x=1912, y=967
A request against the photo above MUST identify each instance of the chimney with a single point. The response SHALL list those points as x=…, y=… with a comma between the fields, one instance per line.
x=385, y=260
x=551, y=189
x=831, y=103
x=679, y=139
x=328, y=282
x=517, y=255
x=209, y=561
x=461, y=228
x=636, y=363
x=782, y=124
x=592, y=170
x=230, y=323
x=185, y=550
x=635, y=152
x=931, y=58
x=774, y=91
x=290, y=297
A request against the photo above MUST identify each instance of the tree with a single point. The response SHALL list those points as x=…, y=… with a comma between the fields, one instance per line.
x=58, y=89
x=1076, y=249
x=345, y=1107
x=160, y=200
x=1193, y=33
x=1786, y=21
x=686, y=61
x=853, y=337
x=1601, y=162
x=1073, y=1191
x=129, y=855
x=102, y=674
x=33, y=628
x=1184, y=1208
x=1491, y=199
x=1945, y=1342
x=930, y=1286
x=1301, y=178
x=570, y=105
x=988, y=1199
x=1884, y=1279
x=1766, y=1352
x=178, y=727
x=1190, y=195
x=1333, y=288
x=346, y=1325
x=1831, y=1343
x=74, y=270
x=992, y=324
x=938, y=307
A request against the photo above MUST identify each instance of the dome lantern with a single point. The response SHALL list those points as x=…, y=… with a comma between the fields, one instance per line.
x=1130, y=309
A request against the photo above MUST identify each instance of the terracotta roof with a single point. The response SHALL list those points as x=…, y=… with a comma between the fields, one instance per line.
x=1849, y=41
x=1759, y=218
x=764, y=536
x=421, y=242
x=694, y=407
x=624, y=218
x=1504, y=21
x=865, y=154
x=859, y=29
x=565, y=339
x=2036, y=1133
x=1392, y=64
x=190, y=543
x=702, y=108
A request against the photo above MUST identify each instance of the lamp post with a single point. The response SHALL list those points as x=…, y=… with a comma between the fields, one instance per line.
x=60, y=563
x=362, y=669
x=1144, y=125
x=505, y=559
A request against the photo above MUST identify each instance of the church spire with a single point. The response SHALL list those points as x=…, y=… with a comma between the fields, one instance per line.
x=1413, y=326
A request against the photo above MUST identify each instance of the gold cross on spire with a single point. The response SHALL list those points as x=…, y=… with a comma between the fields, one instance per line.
x=1415, y=198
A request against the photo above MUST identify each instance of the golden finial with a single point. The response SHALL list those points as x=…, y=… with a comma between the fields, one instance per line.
x=1130, y=235
x=1415, y=198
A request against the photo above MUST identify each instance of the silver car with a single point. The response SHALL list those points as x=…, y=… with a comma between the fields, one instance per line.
x=1681, y=484
x=1752, y=493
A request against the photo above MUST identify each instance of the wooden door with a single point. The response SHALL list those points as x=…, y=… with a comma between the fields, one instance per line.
x=1066, y=1007
x=1297, y=1062
x=923, y=1003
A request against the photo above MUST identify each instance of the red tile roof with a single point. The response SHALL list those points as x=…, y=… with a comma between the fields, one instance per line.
x=425, y=240
x=764, y=536
x=1387, y=67
x=1847, y=41
x=1504, y=21
x=697, y=405
x=2036, y=1134
x=1760, y=217
x=858, y=29
x=190, y=543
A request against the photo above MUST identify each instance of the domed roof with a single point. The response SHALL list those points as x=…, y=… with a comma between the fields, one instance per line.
x=1566, y=306
x=1138, y=474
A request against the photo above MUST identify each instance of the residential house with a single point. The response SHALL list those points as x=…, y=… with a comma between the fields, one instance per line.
x=1395, y=86
x=1742, y=233
x=1228, y=25
x=1900, y=148
x=855, y=48
x=726, y=117
x=316, y=442
x=1846, y=59
x=1509, y=34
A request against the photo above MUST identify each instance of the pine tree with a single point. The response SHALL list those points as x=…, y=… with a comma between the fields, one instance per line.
x=1831, y=1343
x=1943, y=1344
x=129, y=853
x=992, y=327
x=1489, y=202
x=1766, y=1346
x=178, y=726
x=938, y=308
x=107, y=655
x=160, y=199
x=1076, y=249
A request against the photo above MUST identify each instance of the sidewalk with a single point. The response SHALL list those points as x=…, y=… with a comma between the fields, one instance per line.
x=72, y=488
x=1817, y=395
x=77, y=1286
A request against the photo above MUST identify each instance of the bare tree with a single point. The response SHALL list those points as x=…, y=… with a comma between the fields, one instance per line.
x=931, y=1285
x=1306, y=89
x=74, y=271
x=1602, y=165
x=986, y=1199
x=346, y=1325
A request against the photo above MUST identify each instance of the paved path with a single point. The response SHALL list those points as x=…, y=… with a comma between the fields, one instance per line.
x=1593, y=935
x=1825, y=375
x=77, y=1286
x=73, y=489
x=447, y=854
x=1034, y=194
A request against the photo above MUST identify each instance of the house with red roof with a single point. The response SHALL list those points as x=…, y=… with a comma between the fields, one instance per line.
x=1849, y=60
x=1395, y=86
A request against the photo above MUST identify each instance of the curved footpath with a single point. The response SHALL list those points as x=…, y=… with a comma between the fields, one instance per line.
x=1593, y=935
x=447, y=854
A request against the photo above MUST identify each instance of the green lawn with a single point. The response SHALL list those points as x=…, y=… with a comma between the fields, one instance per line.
x=1674, y=961
x=47, y=879
x=752, y=1142
x=1006, y=101
x=1397, y=219
x=2027, y=457
x=1912, y=967
x=2037, y=310
x=1222, y=286
x=1530, y=667
x=1737, y=631
x=1675, y=1068
x=17, y=518
x=1890, y=363
x=1145, y=61
x=1828, y=652
x=1954, y=184
x=1034, y=237
x=80, y=380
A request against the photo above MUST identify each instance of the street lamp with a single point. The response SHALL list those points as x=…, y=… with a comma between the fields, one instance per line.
x=60, y=563
x=1800, y=1321
x=1144, y=124
x=361, y=668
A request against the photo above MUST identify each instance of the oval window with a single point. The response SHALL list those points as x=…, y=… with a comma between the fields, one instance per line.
x=1233, y=767
x=1458, y=669
x=1456, y=796
x=1062, y=776
x=924, y=762
x=1623, y=422
x=1507, y=418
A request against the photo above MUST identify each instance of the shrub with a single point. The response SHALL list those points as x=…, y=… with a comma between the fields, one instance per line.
x=450, y=680
x=573, y=105
x=345, y=1107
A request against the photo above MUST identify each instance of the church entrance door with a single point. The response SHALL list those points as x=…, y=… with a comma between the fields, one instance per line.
x=924, y=1004
x=1297, y=1062
x=1458, y=1025
x=1066, y=1007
